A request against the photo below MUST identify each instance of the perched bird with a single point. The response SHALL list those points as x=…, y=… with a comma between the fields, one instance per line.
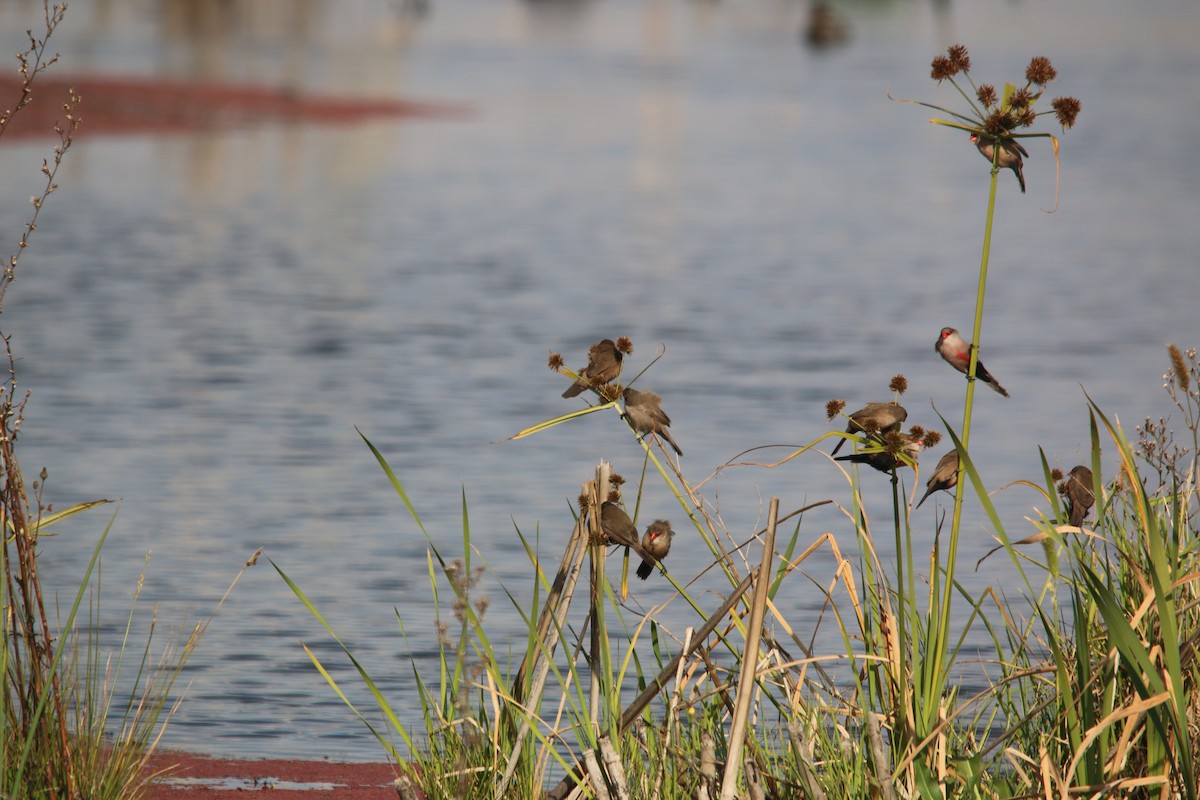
x=657, y=543
x=874, y=418
x=1080, y=497
x=643, y=410
x=617, y=525
x=883, y=460
x=944, y=477
x=604, y=364
x=957, y=353
x=1010, y=154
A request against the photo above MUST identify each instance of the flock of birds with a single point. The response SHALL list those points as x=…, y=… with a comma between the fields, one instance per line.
x=875, y=421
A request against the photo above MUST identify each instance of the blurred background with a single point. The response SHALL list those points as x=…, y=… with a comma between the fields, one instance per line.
x=211, y=307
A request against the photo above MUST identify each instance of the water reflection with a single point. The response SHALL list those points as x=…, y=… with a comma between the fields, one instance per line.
x=212, y=314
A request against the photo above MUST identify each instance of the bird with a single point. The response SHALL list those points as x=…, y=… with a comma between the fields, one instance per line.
x=944, y=477
x=604, y=364
x=874, y=418
x=957, y=353
x=883, y=460
x=643, y=410
x=656, y=543
x=1080, y=497
x=617, y=525
x=1010, y=154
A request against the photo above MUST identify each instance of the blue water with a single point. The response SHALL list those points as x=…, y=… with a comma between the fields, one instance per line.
x=203, y=320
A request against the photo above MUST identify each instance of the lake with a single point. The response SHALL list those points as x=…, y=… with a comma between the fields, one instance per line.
x=205, y=317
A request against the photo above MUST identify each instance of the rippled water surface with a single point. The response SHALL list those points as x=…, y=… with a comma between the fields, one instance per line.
x=204, y=319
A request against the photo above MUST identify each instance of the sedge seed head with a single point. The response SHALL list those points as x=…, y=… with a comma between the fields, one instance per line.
x=625, y=345
x=960, y=60
x=1066, y=109
x=1040, y=71
x=833, y=408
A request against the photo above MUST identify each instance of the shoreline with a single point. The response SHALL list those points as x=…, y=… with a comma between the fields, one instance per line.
x=189, y=776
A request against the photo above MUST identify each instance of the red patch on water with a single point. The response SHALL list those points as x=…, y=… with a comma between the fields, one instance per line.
x=116, y=106
x=190, y=777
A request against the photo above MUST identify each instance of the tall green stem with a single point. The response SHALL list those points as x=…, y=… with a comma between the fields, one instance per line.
x=943, y=632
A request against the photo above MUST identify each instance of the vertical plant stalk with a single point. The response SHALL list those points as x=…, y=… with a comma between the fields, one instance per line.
x=941, y=646
x=548, y=633
x=746, y=681
x=571, y=781
x=27, y=603
x=599, y=635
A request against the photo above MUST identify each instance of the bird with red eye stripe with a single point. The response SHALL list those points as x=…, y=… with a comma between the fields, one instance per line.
x=957, y=353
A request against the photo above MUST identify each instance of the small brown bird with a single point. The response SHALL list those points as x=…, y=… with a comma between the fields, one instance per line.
x=884, y=461
x=1010, y=154
x=957, y=353
x=874, y=418
x=944, y=477
x=1080, y=497
x=604, y=364
x=656, y=543
x=643, y=410
x=617, y=525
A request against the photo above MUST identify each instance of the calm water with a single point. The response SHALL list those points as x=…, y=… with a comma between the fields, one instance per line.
x=204, y=319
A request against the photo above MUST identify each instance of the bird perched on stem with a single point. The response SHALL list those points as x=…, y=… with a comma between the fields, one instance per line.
x=888, y=458
x=878, y=418
x=656, y=543
x=957, y=353
x=617, y=525
x=1079, y=494
x=604, y=364
x=1010, y=154
x=643, y=411
x=944, y=477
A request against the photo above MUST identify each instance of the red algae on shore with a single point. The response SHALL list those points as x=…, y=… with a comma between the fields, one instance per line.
x=115, y=106
x=182, y=776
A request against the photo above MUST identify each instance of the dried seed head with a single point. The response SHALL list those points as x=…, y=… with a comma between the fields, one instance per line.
x=941, y=69
x=1179, y=368
x=616, y=480
x=916, y=431
x=986, y=94
x=833, y=408
x=898, y=384
x=1056, y=474
x=555, y=362
x=930, y=439
x=1019, y=100
x=609, y=391
x=1026, y=118
x=893, y=442
x=1040, y=71
x=625, y=345
x=960, y=61
x=998, y=122
x=1066, y=109
x=614, y=496
x=583, y=501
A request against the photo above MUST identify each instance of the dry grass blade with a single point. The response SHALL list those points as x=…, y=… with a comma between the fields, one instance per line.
x=747, y=680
